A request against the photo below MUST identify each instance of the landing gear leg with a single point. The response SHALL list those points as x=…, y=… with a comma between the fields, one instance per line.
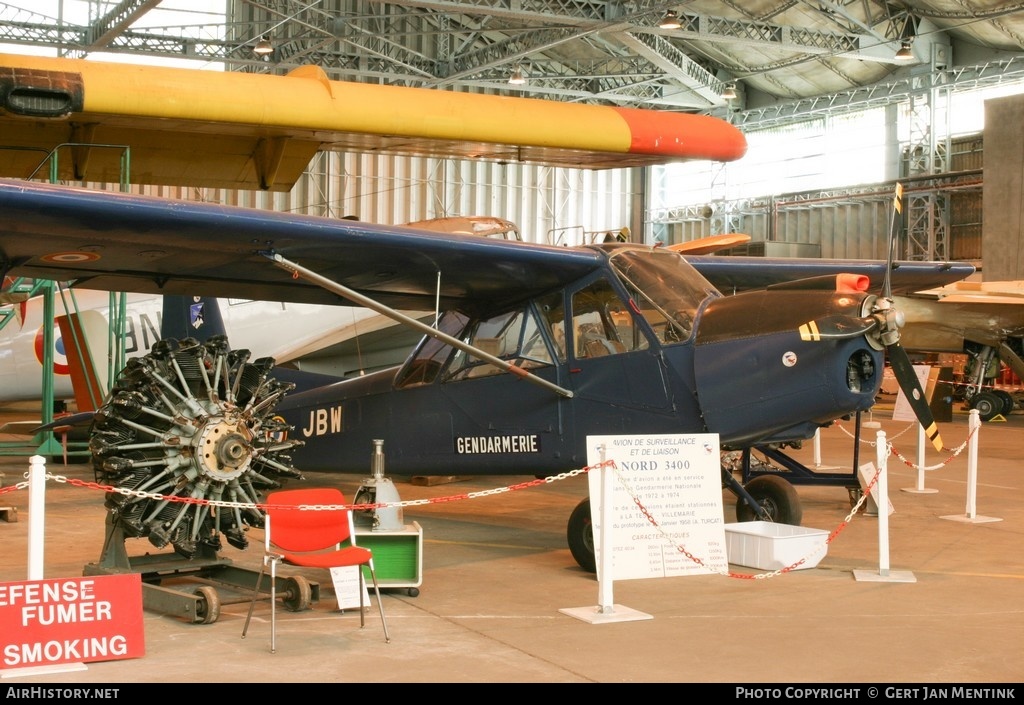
x=776, y=501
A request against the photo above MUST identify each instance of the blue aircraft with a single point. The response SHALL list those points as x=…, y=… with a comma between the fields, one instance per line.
x=533, y=349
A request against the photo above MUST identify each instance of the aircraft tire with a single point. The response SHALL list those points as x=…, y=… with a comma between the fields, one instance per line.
x=1007, y=398
x=777, y=496
x=988, y=404
x=580, y=535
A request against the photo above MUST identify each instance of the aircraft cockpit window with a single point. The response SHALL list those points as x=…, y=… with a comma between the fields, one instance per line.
x=602, y=324
x=665, y=288
x=514, y=337
x=426, y=362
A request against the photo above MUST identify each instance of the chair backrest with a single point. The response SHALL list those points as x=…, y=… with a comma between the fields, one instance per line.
x=307, y=529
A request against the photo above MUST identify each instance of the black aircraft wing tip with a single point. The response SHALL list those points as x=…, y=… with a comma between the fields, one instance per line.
x=77, y=420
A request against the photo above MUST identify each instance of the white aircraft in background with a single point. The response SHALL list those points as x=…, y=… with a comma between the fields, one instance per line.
x=283, y=331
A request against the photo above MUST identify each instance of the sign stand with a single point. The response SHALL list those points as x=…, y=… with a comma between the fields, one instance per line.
x=920, y=488
x=606, y=610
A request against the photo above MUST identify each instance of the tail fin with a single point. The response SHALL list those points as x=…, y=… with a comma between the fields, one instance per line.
x=85, y=341
x=196, y=317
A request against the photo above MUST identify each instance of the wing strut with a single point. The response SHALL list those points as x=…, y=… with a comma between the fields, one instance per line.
x=400, y=317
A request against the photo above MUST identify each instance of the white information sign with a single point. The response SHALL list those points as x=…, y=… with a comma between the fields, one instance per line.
x=346, y=587
x=677, y=479
x=902, y=411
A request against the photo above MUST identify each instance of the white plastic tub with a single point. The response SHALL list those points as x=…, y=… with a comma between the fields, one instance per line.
x=768, y=546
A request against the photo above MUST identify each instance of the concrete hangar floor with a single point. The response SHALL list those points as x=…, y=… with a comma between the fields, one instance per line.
x=496, y=573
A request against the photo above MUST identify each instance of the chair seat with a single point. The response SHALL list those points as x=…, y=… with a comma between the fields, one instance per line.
x=353, y=555
x=311, y=528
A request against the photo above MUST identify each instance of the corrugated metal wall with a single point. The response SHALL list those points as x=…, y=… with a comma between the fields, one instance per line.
x=571, y=206
x=847, y=223
x=567, y=206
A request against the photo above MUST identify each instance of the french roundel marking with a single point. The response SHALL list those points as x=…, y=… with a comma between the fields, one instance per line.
x=60, y=360
x=70, y=257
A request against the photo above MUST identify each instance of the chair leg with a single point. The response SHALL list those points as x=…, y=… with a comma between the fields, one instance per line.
x=380, y=603
x=255, y=596
x=362, y=589
x=273, y=606
x=273, y=602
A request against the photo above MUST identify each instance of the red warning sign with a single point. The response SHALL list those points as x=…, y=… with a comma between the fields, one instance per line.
x=71, y=620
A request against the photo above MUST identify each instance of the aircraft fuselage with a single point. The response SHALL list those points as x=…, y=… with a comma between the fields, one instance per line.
x=636, y=359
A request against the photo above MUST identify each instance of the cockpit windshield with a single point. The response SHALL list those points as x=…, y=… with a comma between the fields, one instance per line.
x=665, y=287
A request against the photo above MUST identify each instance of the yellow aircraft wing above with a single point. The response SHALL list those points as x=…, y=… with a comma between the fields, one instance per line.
x=243, y=130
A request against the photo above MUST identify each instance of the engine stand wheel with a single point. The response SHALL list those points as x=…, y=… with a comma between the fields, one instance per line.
x=208, y=606
x=298, y=594
x=580, y=535
x=776, y=496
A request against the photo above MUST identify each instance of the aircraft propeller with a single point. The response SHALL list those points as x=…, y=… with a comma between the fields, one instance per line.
x=884, y=320
x=890, y=322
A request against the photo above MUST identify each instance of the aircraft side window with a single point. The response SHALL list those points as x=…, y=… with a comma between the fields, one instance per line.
x=430, y=355
x=602, y=325
x=552, y=311
x=514, y=337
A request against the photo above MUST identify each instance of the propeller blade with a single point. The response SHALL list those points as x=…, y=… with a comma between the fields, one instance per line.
x=837, y=328
x=907, y=378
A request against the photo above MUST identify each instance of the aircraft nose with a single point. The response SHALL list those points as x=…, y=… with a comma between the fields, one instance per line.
x=758, y=378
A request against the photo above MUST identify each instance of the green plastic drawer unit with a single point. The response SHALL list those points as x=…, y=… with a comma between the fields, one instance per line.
x=397, y=556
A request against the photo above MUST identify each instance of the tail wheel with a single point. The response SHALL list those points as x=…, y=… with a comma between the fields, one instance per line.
x=776, y=496
x=192, y=421
x=580, y=535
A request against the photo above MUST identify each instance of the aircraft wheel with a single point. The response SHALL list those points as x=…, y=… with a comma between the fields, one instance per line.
x=208, y=606
x=777, y=496
x=1007, y=399
x=298, y=594
x=580, y=534
x=988, y=404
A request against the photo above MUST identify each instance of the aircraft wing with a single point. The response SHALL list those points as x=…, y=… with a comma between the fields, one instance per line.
x=733, y=274
x=250, y=130
x=121, y=242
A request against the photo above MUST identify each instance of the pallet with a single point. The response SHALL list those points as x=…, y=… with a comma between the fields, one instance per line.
x=9, y=514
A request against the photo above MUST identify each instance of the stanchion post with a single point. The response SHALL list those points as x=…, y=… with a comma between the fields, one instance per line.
x=971, y=515
x=882, y=500
x=974, y=428
x=36, y=516
x=605, y=601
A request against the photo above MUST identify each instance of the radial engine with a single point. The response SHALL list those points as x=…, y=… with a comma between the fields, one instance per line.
x=187, y=434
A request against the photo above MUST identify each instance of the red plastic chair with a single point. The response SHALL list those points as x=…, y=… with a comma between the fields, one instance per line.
x=311, y=538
